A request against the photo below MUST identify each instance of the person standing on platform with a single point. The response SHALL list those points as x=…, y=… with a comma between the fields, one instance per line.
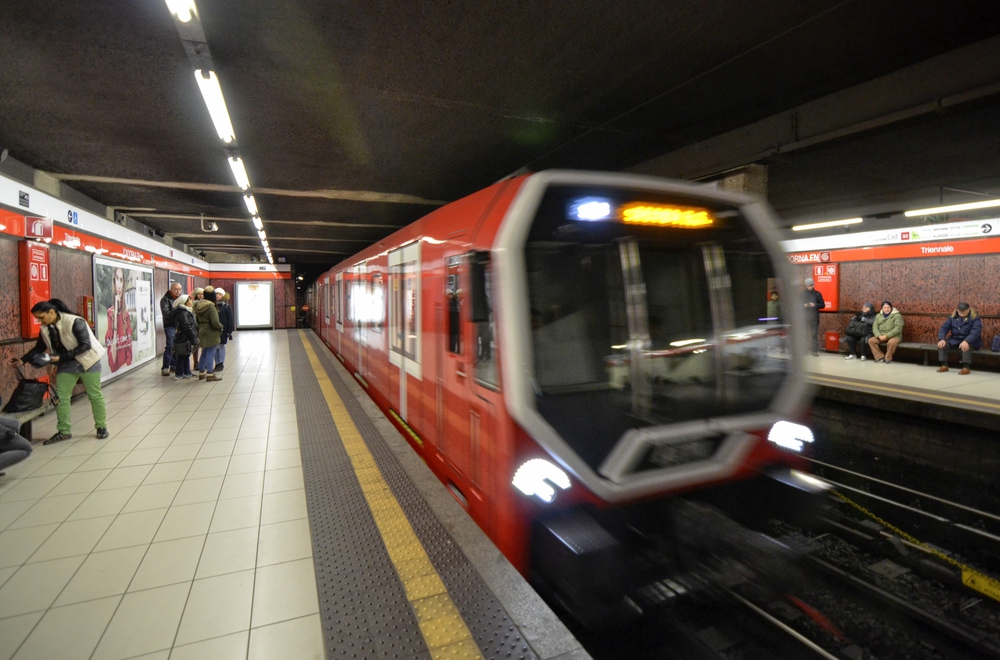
x=169, y=329
x=813, y=301
x=77, y=354
x=888, y=330
x=186, y=339
x=228, y=325
x=209, y=335
x=859, y=331
x=966, y=330
x=773, y=308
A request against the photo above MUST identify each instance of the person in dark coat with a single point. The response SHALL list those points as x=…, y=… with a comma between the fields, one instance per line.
x=186, y=338
x=859, y=331
x=14, y=447
x=966, y=330
x=813, y=301
x=167, y=313
x=228, y=320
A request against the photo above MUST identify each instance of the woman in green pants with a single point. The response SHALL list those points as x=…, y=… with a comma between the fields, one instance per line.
x=75, y=351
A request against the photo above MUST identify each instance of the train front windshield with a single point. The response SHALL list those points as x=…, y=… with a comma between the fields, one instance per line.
x=647, y=309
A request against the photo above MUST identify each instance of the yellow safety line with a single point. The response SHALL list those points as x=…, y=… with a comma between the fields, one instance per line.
x=971, y=578
x=965, y=402
x=444, y=631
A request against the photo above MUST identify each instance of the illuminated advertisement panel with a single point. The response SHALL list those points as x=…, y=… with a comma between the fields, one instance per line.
x=123, y=301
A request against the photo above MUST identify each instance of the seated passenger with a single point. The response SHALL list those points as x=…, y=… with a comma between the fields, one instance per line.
x=888, y=330
x=966, y=329
x=14, y=448
x=859, y=331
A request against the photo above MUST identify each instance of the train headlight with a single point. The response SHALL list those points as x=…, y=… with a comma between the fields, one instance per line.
x=790, y=436
x=537, y=477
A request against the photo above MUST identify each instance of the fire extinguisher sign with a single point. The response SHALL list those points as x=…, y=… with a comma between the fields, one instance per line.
x=35, y=283
x=827, y=280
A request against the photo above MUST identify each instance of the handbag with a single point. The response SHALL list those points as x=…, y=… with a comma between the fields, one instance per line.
x=855, y=328
x=29, y=394
x=182, y=348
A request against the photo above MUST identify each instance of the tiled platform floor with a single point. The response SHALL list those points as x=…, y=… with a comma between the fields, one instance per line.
x=184, y=535
x=978, y=391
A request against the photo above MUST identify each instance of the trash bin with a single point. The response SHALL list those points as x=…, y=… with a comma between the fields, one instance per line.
x=832, y=342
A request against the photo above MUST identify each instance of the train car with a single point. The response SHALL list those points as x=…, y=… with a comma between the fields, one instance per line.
x=575, y=354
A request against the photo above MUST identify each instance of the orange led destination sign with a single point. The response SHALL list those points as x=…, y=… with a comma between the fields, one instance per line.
x=641, y=213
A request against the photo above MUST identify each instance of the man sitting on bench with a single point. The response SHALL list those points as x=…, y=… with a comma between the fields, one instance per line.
x=966, y=330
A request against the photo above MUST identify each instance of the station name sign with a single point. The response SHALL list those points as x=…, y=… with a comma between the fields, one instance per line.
x=921, y=234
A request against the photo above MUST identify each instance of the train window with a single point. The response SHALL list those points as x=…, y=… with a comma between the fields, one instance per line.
x=403, y=312
x=486, y=371
x=453, y=296
x=643, y=324
x=377, y=303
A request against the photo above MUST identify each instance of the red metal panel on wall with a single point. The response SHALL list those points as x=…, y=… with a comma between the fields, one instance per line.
x=36, y=284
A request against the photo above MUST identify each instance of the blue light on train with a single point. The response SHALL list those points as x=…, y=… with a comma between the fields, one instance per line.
x=590, y=208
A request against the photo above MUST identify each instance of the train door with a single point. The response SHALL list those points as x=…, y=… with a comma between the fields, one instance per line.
x=338, y=310
x=455, y=391
x=359, y=297
x=485, y=384
x=405, y=325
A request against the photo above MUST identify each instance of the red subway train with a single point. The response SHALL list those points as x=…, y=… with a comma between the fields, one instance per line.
x=576, y=353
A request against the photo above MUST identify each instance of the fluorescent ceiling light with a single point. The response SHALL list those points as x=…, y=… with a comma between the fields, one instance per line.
x=240, y=172
x=251, y=204
x=263, y=236
x=686, y=342
x=987, y=204
x=257, y=223
x=831, y=223
x=212, y=93
x=183, y=10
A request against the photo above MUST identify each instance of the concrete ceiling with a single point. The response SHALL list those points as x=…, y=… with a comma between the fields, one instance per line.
x=358, y=117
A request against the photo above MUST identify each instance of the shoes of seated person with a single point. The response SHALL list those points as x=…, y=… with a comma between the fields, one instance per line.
x=943, y=368
x=880, y=361
x=849, y=356
x=102, y=433
x=863, y=358
x=965, y=371
x=58, y=437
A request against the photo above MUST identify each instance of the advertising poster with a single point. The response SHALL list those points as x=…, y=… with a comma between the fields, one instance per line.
x=254, y=305
x=123, y=301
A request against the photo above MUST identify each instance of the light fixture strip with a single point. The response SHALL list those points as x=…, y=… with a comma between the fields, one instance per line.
x=239, y=172
x=971, y=206
x=831, y=223
x=258, y=224
x=212, y=94
x=251, y=204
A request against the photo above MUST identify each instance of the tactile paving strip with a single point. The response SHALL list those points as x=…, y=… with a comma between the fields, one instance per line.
x=490, y=625
x=363, y=607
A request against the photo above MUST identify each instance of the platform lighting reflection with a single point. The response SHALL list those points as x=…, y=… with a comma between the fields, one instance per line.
x=537, y=476
x=183, y=10
x=590, y=208
x=251, y=204
x=971, y=206
x=212, y=93
x=666, y=216
x=257, y=222
x=830, y=223
x=790, y=436
x=686, y=342
x=239, y=172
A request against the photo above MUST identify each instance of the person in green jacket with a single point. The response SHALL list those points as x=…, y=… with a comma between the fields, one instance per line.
x=209, y=336
x=888, y=330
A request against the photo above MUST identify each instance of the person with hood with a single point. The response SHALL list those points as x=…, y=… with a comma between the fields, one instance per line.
x=186, y=338
x=888, y=330
x=228, y=325
x=966, y=330
x=813, y=301
x=209, y=335
x=859, y=331
x=70, y=344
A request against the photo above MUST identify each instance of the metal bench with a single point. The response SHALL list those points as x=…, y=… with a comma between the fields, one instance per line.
x=929, y=349
x=25, y=418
